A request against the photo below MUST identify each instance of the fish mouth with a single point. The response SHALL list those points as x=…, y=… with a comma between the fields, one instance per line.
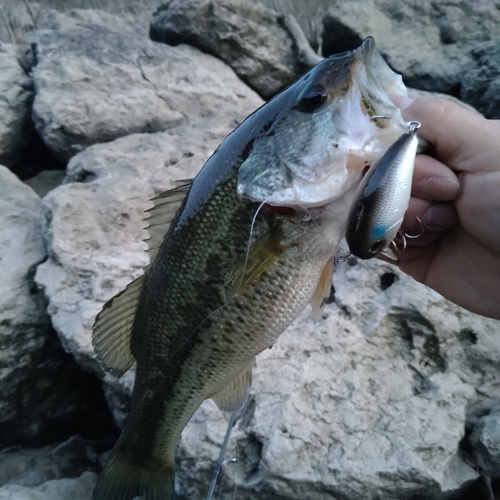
x=376, y=82
x=353, y=125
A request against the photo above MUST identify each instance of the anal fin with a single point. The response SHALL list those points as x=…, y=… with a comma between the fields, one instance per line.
x=234, y=395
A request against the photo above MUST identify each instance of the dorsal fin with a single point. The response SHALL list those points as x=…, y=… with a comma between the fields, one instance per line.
x=234, y=395
x=160, y=216
x=322, y=292
x=112, y=329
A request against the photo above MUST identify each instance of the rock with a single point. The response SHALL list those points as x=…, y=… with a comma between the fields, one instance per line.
x=16, y=96
x=29, y=467
x=428, y=42
x=481, y=80
x=483, y=440
x=97, y=78
x=369, y=402
x=79, y=488
x=43, y=392
x=45, y=181
x=245, y=35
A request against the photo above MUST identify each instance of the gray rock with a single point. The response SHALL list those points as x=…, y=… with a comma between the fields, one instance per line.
x=246, y=35
x=29, y=467
x=41, y=387
x=97, y=78
x=481, y=80
x=483, y=440
x=370, y=402
x=428, y=42
x=55, y=472
x=16, y=96
x=79, y=488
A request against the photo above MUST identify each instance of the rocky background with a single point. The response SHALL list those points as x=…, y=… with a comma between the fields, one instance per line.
x=394, y=394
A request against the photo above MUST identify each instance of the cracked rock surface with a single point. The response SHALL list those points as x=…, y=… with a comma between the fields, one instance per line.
x=16, y=96
x=245, y=35
x=431, y=43
x=97, y=78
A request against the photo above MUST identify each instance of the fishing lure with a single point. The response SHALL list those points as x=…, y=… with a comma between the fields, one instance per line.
x=383, y=197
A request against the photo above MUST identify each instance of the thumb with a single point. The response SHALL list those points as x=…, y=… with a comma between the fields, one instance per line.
x=461, y=138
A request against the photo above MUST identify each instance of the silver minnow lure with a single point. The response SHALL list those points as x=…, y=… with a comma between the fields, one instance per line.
x=383, y=197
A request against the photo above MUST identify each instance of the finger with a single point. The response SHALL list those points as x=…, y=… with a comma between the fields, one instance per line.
x=434, y=181
x=462, y=139
x=423, y=214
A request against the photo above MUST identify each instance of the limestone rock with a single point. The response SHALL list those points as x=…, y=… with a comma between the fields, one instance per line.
x=41, y=387
x=481, y=80
x=428, y=42
x=98, y=78
x=246, y=35
x=370, y=402
x=16, y=96
x=79, y=488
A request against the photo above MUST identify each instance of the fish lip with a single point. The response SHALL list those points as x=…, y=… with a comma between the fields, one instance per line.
x=367, y=49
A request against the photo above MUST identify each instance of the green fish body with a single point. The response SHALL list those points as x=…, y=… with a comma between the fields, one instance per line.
x=234, y=269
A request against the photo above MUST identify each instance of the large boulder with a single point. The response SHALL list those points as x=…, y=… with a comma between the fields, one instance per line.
x=16, y=97
x=371, y=401
x=481, y=81
x=98, y=78
x=429, y=42
x=246, y=35
x=44, y=394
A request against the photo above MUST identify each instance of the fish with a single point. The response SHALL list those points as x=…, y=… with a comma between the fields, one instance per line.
x=236, y=254
x=377, y=214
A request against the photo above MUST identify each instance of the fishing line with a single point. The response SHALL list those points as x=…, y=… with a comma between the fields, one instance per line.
x=249, y=244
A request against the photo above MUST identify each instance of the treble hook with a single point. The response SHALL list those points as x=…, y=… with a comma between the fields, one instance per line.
x=422, y=229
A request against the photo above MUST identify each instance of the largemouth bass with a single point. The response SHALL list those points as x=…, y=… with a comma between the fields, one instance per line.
x=248, y=244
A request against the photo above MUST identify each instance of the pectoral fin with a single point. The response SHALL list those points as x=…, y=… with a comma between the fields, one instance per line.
x=322, y=292
x=262, y=254
x=234, y=395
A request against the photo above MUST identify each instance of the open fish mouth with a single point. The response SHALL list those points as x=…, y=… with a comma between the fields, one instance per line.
x=376, y=82
x=332, y=123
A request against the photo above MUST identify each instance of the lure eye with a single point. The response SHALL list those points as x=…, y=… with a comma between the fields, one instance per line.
x=312, y=99
x=377, y=247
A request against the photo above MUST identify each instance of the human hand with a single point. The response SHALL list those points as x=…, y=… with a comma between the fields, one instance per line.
x=456, y=196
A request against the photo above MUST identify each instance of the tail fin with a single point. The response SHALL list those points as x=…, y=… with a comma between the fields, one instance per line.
x=122, y=480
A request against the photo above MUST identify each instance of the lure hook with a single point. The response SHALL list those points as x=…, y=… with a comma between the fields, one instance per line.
x=414, y=236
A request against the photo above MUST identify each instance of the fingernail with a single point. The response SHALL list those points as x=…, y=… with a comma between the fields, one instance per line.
x=442, y=188
x=402, y=102
x=440, y=216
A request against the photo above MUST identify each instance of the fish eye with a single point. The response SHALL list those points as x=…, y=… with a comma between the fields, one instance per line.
x=312, y=98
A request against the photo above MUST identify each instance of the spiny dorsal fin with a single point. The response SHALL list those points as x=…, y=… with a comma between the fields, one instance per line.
x=234, y=395
x=262, y=254
x=159, y=217
x=322, y=292
x=113, y=327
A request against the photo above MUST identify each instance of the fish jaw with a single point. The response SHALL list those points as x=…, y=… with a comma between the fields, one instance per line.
x=311, y=158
